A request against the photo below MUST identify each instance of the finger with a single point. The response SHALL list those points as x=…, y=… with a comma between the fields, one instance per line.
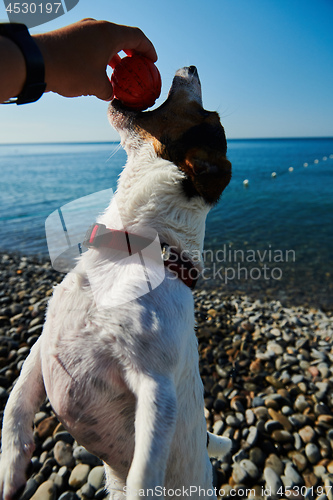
x=104, y=90
x=135, y=41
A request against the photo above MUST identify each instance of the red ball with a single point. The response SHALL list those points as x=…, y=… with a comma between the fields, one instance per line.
x=136, y=82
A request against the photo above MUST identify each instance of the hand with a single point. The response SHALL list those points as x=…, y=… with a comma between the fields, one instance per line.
x=76, y=56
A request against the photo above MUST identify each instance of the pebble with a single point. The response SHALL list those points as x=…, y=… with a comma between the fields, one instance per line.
x=79, y=476
x=96, y=477
x=266, y=368
x=292, y=477
x=274, y=462
x=307, y=434
x=252, y=436
x=239, y=474
x=313, y=453
x=275, y=415
x=282, y=436
x=250, y=468
x=46, y=491
x=63, y=454
x=273, y=481
x=299, y=460
x=30, y=488
x=69, y=495
x=82, y=455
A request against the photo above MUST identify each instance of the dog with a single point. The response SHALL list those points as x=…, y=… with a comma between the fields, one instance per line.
x=123, y=377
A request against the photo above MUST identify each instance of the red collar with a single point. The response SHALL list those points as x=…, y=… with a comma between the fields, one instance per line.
x=99, y=235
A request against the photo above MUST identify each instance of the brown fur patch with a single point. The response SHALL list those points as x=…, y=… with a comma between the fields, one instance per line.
x=192, y=138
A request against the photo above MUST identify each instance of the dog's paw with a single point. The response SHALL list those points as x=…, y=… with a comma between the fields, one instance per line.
x=13, y=475
x=218, y=446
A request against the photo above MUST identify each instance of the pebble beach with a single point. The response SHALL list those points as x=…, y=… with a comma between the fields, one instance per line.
x=268, y=378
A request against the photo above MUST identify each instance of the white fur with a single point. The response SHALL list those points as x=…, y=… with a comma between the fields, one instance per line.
x=124, y=380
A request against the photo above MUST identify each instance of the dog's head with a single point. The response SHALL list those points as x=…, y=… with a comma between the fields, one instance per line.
x=183, y=132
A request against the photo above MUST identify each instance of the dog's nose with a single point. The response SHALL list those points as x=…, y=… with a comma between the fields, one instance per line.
x=193, y=70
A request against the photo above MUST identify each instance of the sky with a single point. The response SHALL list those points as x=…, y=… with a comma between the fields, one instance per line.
x=265, y=65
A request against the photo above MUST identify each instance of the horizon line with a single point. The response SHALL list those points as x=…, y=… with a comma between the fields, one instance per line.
x=118, y=141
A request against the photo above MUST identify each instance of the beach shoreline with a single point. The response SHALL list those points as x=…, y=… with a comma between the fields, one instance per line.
x=266, y=370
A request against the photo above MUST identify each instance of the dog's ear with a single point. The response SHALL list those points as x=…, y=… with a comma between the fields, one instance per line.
x=199, y=162
x=209, y=173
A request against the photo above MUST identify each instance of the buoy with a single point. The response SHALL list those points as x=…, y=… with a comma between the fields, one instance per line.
x=305, y=164
x=246, y=182
x=324, y=158
x=291, y=169
x=331, y=156
x=316, y=161
x=273, y=174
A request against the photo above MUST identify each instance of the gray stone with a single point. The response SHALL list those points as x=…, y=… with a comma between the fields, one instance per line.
x=69, y=495
x=272, y=425
x=299, y=460
x=239, y=456
x=252, y=436
x=258, y=401
x=96, y=477
x=292, y=476
x=298, y=420
x=301, y=403
x=87, y=491
x=324, y=369
x=3, y=393
x=82, y=455
x=273, y=482
x=79, y=476
x=41, y=415
x=239, y=475
x=282, y=436
x=286, y=410
x=250, y=417
x=261, y=412
x=307, y=434
x=257, y=456
x=232, y=421
x=63, y=453
x=63, y=436
x=312, y=452
x=46, y=491
x=250, y=468
x=297, y=441
x=30, y=488
x=58, y=481
x=218, y=427
x=274, y=462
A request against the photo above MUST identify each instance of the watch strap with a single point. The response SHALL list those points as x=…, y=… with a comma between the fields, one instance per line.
x=35, y=85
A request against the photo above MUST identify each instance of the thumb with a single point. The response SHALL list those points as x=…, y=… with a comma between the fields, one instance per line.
x=104, y=90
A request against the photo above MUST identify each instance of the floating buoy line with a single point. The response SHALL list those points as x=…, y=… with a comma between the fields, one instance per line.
x=246, y=182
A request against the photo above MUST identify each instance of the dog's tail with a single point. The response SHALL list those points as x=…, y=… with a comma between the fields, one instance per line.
x=218, y=446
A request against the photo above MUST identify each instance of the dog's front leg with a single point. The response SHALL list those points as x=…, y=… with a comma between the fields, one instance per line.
x=17, y=433
x=155, y=421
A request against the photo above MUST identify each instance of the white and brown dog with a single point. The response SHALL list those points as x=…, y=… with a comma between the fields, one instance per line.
x=125, y=380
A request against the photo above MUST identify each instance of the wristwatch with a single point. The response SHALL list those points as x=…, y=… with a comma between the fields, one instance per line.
x=35, y=85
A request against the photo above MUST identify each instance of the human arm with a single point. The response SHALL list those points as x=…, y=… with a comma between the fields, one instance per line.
x=75, y=58
x=12, y=69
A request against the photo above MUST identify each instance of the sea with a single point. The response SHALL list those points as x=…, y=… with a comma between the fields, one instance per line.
x=270, y=236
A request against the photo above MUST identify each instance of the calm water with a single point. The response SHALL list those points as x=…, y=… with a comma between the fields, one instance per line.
x=273, y=237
